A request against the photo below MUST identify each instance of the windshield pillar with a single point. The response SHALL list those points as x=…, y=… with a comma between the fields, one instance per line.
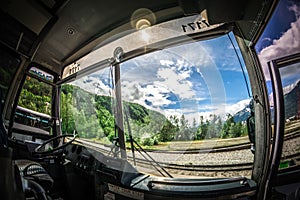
x=119, y=112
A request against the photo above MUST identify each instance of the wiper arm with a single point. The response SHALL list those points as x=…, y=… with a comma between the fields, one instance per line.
x=130, y=136
x=140, y=150
x=163, y=169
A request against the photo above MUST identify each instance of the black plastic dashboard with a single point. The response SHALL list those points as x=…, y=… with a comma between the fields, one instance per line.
x=114, y=178
x=80, y=158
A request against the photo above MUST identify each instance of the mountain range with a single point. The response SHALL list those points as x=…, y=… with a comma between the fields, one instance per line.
x=291, y=104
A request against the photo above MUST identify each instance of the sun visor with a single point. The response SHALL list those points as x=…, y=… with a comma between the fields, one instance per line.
x=154, y=37
x=249, y=15
x=231, y=10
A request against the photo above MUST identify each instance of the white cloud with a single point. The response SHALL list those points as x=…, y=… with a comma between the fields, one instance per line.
x=267, y=39
x=285, y=89
x=132, y=91
x=234, y=108
x=176, y=83
x=291, y=72
x=222, y=110
x=290, y=87
x=93, y=85
x=166, y=62
x=193, y=54
x=158, y=95
x=288, y=43
x=296, y=10
x=195, y=112
x=155, y=94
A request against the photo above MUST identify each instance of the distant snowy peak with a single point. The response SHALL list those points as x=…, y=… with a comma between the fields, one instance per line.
x=292, y=102
x=289, y=88
x=244, y=112
x=286, y=90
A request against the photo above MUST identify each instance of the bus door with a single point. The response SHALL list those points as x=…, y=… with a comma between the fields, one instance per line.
x=284, y=177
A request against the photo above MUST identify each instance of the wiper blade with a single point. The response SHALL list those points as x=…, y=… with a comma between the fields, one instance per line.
x=149, y=157
x=130, y=136
x=141, y=151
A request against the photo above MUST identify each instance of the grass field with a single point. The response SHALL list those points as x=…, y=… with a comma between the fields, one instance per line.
x=190, y=145
x=197, y=144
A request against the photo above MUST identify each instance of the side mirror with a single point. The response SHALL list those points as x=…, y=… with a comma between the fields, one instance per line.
x=251, y=127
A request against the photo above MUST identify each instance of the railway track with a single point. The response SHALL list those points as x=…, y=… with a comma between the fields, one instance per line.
x=207, y=168
x=192, y=151
x=294, y=134
x=207, y=150
x=149, y=163
x=291, y=135
x=152, y=165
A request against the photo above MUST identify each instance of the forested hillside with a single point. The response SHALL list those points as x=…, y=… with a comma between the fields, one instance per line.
x=36, y=95
x=92, y=116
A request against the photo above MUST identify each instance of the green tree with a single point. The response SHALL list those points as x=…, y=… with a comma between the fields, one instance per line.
x=36, y=95
x=167, y=132
x=227, y=127
x=67, y=113
x=184, y=132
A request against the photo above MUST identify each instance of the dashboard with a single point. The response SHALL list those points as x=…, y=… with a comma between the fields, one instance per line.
x=115, y=178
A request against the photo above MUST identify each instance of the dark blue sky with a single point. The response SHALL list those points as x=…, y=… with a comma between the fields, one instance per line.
x=285, y=14
x=280, y=22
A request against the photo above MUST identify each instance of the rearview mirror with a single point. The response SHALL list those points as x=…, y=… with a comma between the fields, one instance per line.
x=251, y=126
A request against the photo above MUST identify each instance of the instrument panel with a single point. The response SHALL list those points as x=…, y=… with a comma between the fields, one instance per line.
x=115, y=178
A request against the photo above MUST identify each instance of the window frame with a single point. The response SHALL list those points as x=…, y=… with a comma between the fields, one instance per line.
x=131, y=55
x=291, y=174
x=54, y=111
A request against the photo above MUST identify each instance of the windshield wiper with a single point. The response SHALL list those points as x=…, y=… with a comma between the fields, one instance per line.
x=140, y=149
x=118, y=55
x=130, y=136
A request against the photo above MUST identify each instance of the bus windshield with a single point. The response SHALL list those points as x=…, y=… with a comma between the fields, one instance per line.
x=182, y=107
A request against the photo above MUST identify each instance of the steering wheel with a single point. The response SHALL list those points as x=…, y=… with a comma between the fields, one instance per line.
x=38, y=150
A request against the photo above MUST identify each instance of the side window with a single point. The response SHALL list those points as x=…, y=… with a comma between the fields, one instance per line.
x=288, y=69
x=291, y=91
x=34, y=105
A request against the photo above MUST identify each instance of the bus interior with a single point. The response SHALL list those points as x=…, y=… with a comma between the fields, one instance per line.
x=136, y=99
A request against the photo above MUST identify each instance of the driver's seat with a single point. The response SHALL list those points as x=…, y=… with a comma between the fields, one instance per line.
x=10, y=180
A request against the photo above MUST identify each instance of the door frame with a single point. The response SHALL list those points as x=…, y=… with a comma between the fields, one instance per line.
x=279, y=177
